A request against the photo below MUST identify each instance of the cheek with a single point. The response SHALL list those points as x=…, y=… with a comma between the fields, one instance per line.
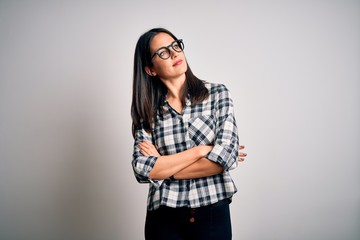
x=162, y=68
x=185, y=66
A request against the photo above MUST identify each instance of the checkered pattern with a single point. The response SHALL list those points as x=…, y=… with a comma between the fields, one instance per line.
x=211, y=122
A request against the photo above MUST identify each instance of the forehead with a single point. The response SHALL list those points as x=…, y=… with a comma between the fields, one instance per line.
x=160, y=40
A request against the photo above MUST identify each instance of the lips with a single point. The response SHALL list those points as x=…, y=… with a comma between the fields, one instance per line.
x=177, y=63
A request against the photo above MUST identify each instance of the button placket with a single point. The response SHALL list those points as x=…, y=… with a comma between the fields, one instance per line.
x=185, y=119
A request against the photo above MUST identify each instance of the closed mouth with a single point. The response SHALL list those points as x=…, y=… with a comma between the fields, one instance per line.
x=177, y=63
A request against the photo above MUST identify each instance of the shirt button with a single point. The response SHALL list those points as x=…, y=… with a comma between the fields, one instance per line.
x=192, y=220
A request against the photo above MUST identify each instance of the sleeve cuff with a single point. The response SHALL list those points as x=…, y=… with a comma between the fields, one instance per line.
x=227, y=158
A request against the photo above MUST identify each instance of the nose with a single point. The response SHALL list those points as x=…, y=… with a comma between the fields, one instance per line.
x=173, y=53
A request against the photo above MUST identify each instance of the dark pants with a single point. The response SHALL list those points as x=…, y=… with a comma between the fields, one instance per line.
x=209, y=222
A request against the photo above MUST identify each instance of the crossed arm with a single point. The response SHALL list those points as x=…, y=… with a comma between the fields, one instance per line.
x=188, y=164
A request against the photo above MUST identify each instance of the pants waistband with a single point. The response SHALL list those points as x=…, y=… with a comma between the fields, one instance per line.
x=219, y=203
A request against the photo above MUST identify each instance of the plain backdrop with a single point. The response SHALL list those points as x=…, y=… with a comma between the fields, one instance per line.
x=293, y=68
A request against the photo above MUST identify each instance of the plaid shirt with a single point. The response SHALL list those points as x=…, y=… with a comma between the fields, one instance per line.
x=210, y=122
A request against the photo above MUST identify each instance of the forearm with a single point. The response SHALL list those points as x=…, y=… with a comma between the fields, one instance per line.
x=201, y=168
x=169, y=165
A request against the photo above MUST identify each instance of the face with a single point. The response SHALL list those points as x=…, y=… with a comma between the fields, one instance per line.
x=173, y=67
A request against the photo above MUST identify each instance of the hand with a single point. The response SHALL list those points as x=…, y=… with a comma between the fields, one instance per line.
x=148, y=149
x=242, y=155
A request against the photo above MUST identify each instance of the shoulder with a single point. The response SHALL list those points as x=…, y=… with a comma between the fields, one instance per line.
x=216, y=88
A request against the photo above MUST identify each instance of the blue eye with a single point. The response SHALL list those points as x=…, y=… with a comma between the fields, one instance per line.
x=176, y=46
x=163, y=53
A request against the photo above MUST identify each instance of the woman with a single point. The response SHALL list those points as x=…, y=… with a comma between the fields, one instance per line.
x=185, y=143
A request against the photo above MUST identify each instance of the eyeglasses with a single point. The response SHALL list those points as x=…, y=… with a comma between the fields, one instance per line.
x=164, y=52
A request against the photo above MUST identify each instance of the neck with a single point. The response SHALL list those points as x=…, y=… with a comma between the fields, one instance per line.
x=175, y=87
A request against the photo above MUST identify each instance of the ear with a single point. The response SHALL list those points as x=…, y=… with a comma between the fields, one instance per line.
x=150, y=72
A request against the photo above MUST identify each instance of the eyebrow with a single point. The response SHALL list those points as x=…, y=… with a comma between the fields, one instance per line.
x=168, y=46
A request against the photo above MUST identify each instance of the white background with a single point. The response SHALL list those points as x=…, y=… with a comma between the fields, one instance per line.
x=293, y=68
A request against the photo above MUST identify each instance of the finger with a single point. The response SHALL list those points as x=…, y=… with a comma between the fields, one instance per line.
x=149, y=145
x=242, y=154
x=148, y=152
x=241, y=147
x=144, y=152
x=241, y=159
x=145, y=145
x=147, y=149
x=152, y=147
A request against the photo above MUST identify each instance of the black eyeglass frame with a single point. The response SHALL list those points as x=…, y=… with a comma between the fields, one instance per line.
x=181, y=45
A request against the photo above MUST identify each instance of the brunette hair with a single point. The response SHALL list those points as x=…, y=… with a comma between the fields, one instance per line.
x=149, y=92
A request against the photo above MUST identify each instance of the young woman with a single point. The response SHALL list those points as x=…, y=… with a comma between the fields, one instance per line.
x=186, y=142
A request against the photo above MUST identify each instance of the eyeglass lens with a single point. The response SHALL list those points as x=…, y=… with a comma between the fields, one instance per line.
x=165, y=53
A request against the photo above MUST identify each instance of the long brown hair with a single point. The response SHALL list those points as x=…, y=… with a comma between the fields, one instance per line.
x=148, y=91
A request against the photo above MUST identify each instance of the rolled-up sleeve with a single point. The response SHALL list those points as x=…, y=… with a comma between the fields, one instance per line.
x=226, y=146
x=142, y=165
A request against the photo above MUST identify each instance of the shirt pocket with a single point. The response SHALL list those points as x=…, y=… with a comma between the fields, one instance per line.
x=202, y=130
